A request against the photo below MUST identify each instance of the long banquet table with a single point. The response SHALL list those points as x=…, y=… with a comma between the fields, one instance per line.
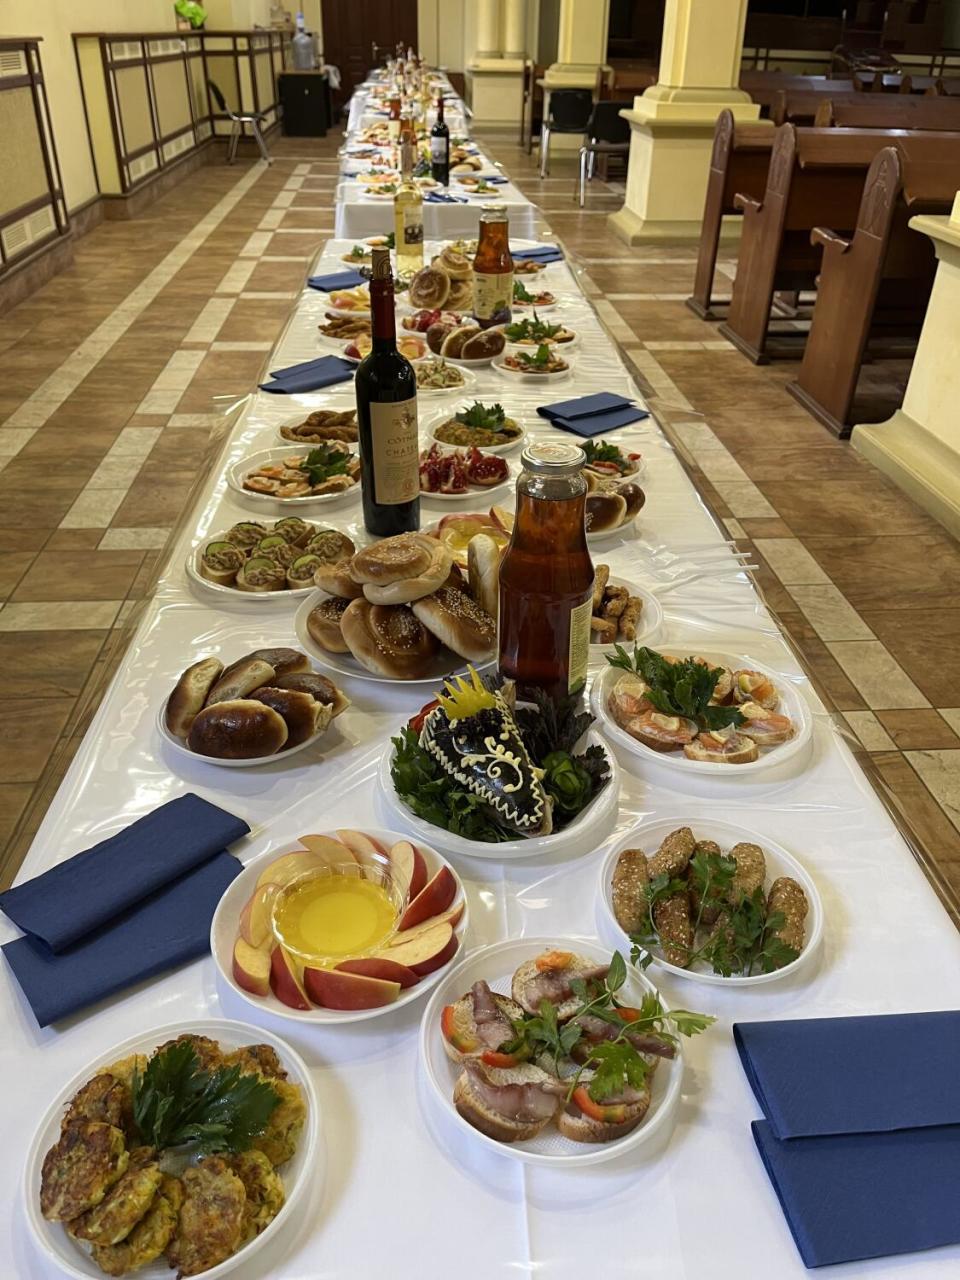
x=404, y=1191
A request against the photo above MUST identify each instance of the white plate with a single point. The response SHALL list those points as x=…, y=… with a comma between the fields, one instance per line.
x=531, y=379
x=434, y=393
x=236, y=473
x=429, y=425
x=342, y=347
x=649, y=836
x=558, y=347
x=192, y=565
x=535, y=306
x=475, y=492
x=308, y=1163
x=792, y=704
x=497, y=964
x=223, y=934
x=589, y=830
x=651, y=618
x=346, y=665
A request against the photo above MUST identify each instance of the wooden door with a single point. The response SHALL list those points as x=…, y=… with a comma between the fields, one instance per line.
x=351, y=27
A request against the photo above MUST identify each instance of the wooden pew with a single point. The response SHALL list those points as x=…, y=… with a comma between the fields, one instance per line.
x=879, y=280
x=814, y=174
x=869, y=111
x=739, y=162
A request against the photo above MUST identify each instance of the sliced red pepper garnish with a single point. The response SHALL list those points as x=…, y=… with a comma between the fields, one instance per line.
x=598, y=1110
x=416, y=723
x=449, y=1029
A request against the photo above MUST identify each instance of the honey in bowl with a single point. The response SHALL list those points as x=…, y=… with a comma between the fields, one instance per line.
x=336, y=913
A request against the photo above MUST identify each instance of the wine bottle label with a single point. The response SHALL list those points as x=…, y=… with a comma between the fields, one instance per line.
x=439, y=150
x=491, y=293
x=579, y=644
x=396, y=452
x=393, y=130
x=412, y=224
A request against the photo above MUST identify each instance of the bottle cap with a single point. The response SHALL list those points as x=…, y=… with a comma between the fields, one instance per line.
x=381, y=264
x=549, y=458
x=494, y=212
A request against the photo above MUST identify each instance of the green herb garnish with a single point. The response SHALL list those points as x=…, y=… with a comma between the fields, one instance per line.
x=603, y=451
x=323, y=462
x=551, y=729
x=744, y=938
x=176, y=1103
x=532, y=328
x=490, y=417
x=432, y=795
x=390, y=241
x=615, y=1063
x=538, y=361
x=521, y=293
x=681, y=688
x=359, y=252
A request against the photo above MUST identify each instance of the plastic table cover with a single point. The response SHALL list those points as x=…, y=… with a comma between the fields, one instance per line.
x=699, y=1204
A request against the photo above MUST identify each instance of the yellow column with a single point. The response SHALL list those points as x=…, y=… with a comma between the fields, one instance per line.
x=488, y=29
x=919, y=447
x=494, y=74
x=514, y=28
x=672, y=122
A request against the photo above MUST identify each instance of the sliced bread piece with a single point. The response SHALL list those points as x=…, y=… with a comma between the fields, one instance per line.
x=458, y=1024
x=548, y=977
x=508, y=1104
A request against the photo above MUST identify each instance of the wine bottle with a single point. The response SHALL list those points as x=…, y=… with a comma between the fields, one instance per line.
x=440, y=147
x=386, y=389
x=408, y=217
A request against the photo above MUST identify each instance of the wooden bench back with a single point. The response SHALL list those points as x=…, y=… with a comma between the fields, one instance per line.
x=890, y=112
x=741, y=152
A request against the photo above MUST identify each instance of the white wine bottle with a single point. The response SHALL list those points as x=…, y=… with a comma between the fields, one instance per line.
x=408, y=217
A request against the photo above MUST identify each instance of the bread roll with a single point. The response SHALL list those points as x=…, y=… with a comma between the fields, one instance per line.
x=283, y=661
x=460, y=296
x=323, y=624
x=483, y=565
x=634, y=497
x=311, y=682
x=243, y=677
x=455, y=341
x=605, y=511
x=303, y=715
x=336, y=580
x=189, y=695
x=457, y=265
x=458, y=622
x=399, y=570
x=388, y=640
x=239, y=729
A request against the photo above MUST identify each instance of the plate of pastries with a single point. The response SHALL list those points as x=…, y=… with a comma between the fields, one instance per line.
x=401, y=609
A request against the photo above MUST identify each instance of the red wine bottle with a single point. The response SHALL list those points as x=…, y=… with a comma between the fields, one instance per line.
x=440, y=147
x=386, y=388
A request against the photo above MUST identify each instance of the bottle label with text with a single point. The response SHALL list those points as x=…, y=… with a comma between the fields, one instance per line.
x=396, y=453
x=412, y=224
x=439, y=150
x=492, y=294
x=579, y=644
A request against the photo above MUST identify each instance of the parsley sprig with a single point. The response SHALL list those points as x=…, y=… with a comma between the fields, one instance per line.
x=744, y=938
x=681, y=688
x=613, y=1064
x=323, y=462
x=534, y=328
x=491, y=417
x=177, y=1103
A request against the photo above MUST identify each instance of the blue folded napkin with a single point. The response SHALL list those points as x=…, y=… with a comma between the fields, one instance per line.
x=309, y=376
x=542, y=253
x=818, y=1076
x=437, y=197
x=592, y=415
x=85, y=892
x=866, y=1195
x=130, y=907
x=336, y=280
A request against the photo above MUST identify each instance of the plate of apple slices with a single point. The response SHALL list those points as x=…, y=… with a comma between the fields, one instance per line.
x=428, y=937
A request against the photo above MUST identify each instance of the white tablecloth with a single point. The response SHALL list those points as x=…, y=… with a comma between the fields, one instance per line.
x=359, y=215
x=407, y=1193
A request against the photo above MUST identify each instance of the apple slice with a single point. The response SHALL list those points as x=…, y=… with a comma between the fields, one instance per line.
x=451, y=917
x=288, y=866
x=285, y=981
x=379, y=967
x=436, y=896
x=251, y=968
x=336, y=990
x=423, y=967
x=363, y=847
x=420, y=949
x=330, y=850
x=255, y=924
x=410, y=866
x=503, y=518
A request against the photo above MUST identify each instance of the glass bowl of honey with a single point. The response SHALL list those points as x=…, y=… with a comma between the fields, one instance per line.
x=341, y=911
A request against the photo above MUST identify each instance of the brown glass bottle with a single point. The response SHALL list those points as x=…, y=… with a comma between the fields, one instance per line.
x=546, y=578
x=493, y=269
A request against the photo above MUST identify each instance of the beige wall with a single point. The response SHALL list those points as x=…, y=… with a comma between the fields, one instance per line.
x=242, y=15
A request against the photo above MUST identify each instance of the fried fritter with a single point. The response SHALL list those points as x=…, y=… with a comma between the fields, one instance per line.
x=209, y=1054
x=210, y=1228
x=124, y=1069
x=674, y=853
x=264, y=1188
x=80, y=1170
x=751, y=868
x=105, y=1099
x=149, y=1237
x=709, y=914
x=125, y=1203
x=259, y=1058
x=788, y=897
x=279, y=1140
x=674, y=928
x=630, y=876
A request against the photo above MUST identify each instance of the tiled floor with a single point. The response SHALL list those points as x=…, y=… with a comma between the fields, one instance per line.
x=121, y=371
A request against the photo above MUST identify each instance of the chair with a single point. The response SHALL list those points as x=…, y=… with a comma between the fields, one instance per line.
x=238, y=119
x=569, y=113
x=607, y=134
